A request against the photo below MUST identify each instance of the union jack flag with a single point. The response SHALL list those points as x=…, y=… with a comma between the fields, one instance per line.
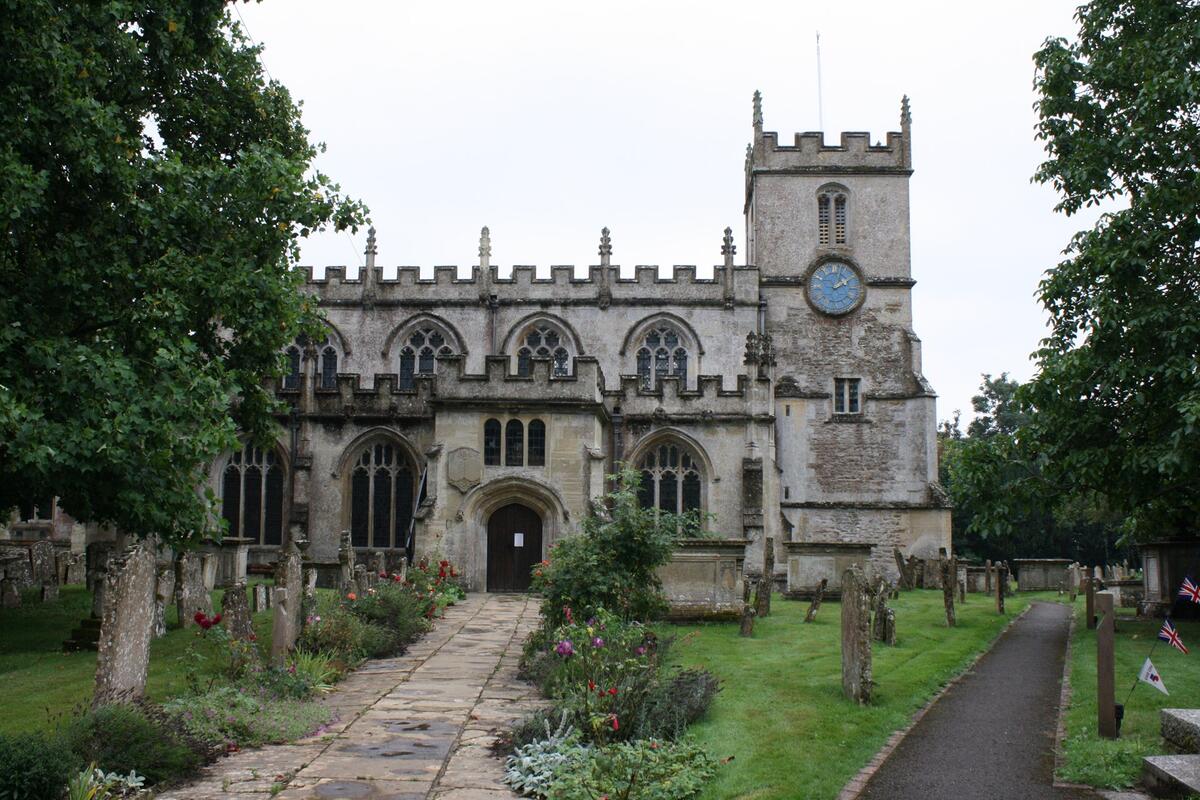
x=1171, y=636
x=1190, y=590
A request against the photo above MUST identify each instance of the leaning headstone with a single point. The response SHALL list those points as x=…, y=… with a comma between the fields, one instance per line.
x=762, y=595
x=856, y=636
x=748, y=613
x=235, y=612
x=949, y=570
x=49, y=591
x=889, y=627
x=1001, y=580
x=289, y=573
x=97, y=556
x=10, y=595
x=815, y=605
x=191, y=594
x=261, y=598
x=41, y=562
x=126, y=626
x=345, y=564
x=164, y=593
x=61, y=559
x=283, y=622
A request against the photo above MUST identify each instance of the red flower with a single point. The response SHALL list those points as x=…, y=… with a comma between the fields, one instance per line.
x=397, y=579
x=444, y=564
x=383, y=574
x=612, y=692
x=591, y=686
x=216, y=620
x=199, y=617
x=615, y=723
x=352, y=596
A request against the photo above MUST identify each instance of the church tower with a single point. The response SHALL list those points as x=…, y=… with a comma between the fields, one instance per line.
x=827, y=226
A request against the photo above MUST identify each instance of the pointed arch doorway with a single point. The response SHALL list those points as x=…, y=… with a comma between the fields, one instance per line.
x=514, y=545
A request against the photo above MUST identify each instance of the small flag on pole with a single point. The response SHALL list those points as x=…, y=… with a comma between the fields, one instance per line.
x=1190, y=590
x=1171, y=636
x=1150, y=675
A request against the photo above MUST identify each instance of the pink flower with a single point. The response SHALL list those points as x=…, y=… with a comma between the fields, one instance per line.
x=565, y=648
x=597, y=643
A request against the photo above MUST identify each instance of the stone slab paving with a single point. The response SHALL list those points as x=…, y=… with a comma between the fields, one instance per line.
x=416, y=726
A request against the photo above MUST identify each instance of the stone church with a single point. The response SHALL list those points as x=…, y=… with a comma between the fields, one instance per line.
x=477, y=418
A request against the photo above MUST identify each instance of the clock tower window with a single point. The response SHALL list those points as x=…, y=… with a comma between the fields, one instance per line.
x=847, y=396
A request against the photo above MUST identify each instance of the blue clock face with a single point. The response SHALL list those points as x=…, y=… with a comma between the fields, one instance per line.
x=835, y=288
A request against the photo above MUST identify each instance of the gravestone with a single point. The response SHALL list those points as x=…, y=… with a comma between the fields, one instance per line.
x=126, y=626
x=345, y=565
x=10, y=595
x=61, y=559
x=164, y=593
x=97, y=555
x=235, y=612
x=289, y=573
x=49, y=591
x=41, y=562
x=762, y=596
x=949, y=569
x=208, y=570
x=1089, y=610
x=856, y=636
x=378, y=563
x=190, y=592
x=362, y=580
x=76, y=569
x=283, y=622
x=879, y=625
x=262, y=597
x=1001, y=581
x=815, y=605
x=990, y=579
x=906, y=573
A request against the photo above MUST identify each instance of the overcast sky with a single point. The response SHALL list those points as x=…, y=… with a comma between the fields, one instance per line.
x=549, y=120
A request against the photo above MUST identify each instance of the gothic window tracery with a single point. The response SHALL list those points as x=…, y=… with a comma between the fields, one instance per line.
x=663, y=352
x=382, y=486
x=419, y=354
x=545, y=341
x=327, y=363
x=252, y=495
x=671, y=478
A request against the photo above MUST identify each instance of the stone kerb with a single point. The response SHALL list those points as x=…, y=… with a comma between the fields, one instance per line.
x=127, y=626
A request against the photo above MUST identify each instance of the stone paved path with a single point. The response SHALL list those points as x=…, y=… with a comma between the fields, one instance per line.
x=416, y=726
x=992, y=735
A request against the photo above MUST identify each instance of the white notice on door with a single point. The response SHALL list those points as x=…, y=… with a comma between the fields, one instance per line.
x=518, y=540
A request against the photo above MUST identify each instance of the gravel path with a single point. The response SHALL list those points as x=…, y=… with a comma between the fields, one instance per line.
x=991, y=735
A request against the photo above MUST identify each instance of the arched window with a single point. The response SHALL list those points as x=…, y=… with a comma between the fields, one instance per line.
x=491, y=443
x=514, y=443
x=252, y=495
x=831, y=217
x=670, y=479
x=544, y=341
x=421, y=348
x=662, y=353
x=329, y=365
x=291, y=379
x=537, y=443
x=382, y=486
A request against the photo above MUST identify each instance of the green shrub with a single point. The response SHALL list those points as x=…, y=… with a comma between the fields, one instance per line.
x=673, y=704
x=231, y=719
x=34, y=767
x=394, y=606
x=643, y=770
x=530, y=769
x=272, y=682
x=613, y=563
x=342, y=634
x=319, y=670
x=123, y=738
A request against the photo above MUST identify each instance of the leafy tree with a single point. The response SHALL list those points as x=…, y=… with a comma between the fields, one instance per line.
x=154, y=187
x=1116, y=401
x=1004, y=507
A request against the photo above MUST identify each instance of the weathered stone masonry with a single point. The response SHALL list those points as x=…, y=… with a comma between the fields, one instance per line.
x=723, y=391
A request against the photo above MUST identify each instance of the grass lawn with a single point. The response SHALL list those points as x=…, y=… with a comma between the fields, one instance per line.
x=41, y=682
x=1117, y=763
x=781, y=715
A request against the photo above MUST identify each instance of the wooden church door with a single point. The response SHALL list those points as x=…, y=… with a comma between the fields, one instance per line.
x=514, y=546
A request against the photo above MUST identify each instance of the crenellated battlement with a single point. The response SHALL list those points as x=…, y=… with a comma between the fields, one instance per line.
x=810, y=153
x=710, y=398
x=603, y=283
